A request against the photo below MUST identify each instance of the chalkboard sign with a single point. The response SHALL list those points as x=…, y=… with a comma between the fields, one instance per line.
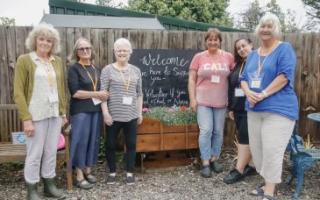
x=164, y=75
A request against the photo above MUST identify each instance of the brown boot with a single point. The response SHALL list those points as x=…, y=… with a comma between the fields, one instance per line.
x=32, y=189
x=51, y=190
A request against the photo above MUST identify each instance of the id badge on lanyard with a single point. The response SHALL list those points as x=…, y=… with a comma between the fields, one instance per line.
x=96, y=101
x=215, y=79
x=126, y=100
x=238, y=92
x=53, y=97
x=256, y=82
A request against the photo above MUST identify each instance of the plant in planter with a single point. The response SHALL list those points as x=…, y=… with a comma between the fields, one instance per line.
x=171, y=116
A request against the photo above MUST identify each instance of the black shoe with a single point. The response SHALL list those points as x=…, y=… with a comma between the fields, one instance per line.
x=130, y=180
x=216, y=166
x=233, y=176
x=205, y=171
x=249, y=171
x=111, y=180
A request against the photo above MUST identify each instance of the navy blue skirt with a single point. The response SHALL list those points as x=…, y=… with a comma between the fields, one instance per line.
x=85, y=139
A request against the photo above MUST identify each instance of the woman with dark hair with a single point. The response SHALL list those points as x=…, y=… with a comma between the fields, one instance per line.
x=208, y=93
x=85, y=111
x=236, y=107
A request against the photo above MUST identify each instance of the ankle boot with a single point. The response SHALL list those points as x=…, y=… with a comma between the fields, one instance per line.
x=32, y=189
x=51, y=190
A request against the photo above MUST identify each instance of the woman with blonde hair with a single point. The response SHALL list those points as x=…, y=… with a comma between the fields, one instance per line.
x=40, y=97
x=272, y=105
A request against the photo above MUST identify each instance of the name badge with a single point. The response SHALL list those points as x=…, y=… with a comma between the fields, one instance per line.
x=53, y=97
x=127, y=100
x=238, y=92
x=96, y=101
x=215, y=79
x=256, y=83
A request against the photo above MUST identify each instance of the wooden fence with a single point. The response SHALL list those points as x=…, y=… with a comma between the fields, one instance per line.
x=307, y=47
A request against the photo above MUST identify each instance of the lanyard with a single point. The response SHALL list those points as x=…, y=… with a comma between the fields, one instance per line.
x=125, y=83
x=241, y=69
x=49, y=70
x=260, y=65
x=95, y=81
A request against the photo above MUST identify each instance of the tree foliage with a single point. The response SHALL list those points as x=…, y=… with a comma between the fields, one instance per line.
x=313, y=8
x=6, y=21
x=207, y=11
x=313, y=11
x=249, y=19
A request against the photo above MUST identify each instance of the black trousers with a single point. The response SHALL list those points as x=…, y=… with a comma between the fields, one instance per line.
x=242, y=127
x=130, y=134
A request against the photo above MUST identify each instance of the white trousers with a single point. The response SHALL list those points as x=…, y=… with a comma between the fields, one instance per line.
x=269, y=135
x=42, y=150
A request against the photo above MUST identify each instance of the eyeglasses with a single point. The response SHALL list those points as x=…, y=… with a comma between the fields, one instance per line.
x=84, y=49
x=122, y=51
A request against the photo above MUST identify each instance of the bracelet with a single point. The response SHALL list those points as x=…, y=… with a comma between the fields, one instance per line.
x=265, y=94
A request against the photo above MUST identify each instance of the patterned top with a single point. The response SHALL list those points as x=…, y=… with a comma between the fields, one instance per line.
x=44, y=101
x=122, y=85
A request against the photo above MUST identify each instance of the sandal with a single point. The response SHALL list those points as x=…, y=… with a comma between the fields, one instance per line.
x=84, y=184
x=90, y=178
x=258, y=192
x=268, y=197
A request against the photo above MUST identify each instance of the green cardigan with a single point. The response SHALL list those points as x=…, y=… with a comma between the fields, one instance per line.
x=24, y=80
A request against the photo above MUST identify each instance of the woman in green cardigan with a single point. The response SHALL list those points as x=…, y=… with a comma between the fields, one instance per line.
x=39, y=93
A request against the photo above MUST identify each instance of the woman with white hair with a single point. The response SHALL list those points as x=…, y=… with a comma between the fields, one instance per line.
x=268, y=83
x=39, y=92
x=123, y=110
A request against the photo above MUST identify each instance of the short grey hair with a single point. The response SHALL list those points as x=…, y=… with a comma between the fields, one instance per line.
x=75, y=56
x=269, y=17
x=122, y=42
x=47, y=31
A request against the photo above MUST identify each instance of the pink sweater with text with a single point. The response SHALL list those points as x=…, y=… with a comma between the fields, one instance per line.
x=212, y=77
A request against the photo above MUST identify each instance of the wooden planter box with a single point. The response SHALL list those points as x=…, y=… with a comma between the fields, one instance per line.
x=152, y=136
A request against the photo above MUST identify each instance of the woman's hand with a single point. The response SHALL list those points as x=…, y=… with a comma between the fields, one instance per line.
x=28, y=128
x=102, y=95
x=64, y=121
x=231, y=115
x=140, y=119
x=193, y=105
x=253, y=97
x=108, y=119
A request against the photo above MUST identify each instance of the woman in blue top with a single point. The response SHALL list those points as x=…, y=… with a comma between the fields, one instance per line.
x=272, y=105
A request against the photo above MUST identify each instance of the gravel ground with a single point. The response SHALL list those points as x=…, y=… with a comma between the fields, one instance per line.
x=174, y=183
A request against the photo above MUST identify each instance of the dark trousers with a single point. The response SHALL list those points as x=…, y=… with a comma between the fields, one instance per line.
x=242, y=127
x=85, y=139
x=130, y=133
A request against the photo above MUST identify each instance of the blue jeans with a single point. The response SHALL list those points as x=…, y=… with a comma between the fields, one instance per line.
x=211, y=124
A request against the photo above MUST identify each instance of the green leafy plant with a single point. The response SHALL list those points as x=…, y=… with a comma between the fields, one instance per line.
x=171, y=115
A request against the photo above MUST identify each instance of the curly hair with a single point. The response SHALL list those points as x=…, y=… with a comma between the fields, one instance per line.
x=47, y=31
